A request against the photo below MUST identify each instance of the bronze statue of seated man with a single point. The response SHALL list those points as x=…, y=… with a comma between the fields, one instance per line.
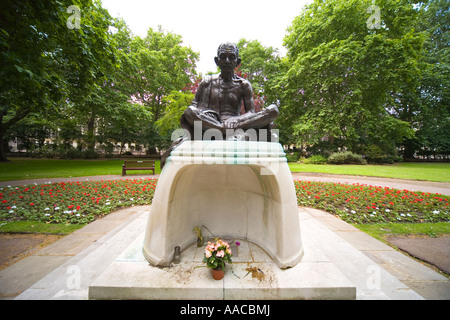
x=217, y=103
x=217, y=106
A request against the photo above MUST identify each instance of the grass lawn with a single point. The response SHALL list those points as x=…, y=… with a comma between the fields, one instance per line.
x=28, y=226
x=439, y=172
x=381, y=230
x=22, y=169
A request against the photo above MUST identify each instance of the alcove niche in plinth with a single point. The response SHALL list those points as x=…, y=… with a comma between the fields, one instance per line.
x=241, y=189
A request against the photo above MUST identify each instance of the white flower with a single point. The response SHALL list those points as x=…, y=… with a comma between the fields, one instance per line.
x=56, y=208
x=47, y=214
x=353, y=211
x=402, y=214
x=387, y=210
x=11, y=211
x=435, y=212
x=77, y=214
x=46, y=209
x=13, y=207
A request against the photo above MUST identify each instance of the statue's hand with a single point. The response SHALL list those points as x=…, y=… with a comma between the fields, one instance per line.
x=231, y=123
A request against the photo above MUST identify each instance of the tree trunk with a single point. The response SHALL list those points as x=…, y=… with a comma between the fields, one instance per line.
x=90, y=132
x=19, y=115
x=3, y=157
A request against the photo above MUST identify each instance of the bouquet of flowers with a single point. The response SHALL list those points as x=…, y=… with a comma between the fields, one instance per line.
x=217, y=254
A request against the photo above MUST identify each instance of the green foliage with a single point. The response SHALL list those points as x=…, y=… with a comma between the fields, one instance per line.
x=346, y=157
x=31, y=79
x=374, y=154
x=349, y=82
x=260, y=65
x=341, y=84
x=293, y=157
x=92, y=83
x=316, y=159
x=176, y=102
x=427, y=107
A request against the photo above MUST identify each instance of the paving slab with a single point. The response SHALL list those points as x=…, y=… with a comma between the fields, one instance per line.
x=33, y=273
x=375, y=269
x=131, y=277
x=430, y=284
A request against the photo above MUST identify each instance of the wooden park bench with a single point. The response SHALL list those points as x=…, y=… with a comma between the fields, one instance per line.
x=138, y=165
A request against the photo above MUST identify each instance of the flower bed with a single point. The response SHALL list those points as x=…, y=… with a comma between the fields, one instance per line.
x=84, y=201
x=73, y=202
x=359, y=203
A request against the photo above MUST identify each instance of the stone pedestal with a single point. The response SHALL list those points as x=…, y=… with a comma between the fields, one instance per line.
x=242, y=189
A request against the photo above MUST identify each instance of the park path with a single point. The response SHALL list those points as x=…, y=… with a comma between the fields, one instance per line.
x=411, y=185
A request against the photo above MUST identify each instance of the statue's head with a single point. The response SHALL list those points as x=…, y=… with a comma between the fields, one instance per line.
x=227, y=56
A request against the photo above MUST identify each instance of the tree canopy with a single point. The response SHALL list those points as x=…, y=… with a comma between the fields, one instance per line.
x=346, y=82
x=368, y=77
x=83, y=71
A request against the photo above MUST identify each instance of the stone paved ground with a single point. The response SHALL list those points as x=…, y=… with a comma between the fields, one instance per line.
x=14, y=247
x=434, y=251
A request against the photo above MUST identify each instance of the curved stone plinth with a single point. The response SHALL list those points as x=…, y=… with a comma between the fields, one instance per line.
x=237, y=188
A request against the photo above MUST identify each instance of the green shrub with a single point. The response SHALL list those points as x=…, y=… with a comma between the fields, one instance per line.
x=374, y=154
x=89, y=154
x=316, y=159
x=293, y=157
x=69, y=152
x=346, y=157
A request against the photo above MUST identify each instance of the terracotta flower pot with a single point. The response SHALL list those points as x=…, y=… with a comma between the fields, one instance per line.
x=217, y=274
